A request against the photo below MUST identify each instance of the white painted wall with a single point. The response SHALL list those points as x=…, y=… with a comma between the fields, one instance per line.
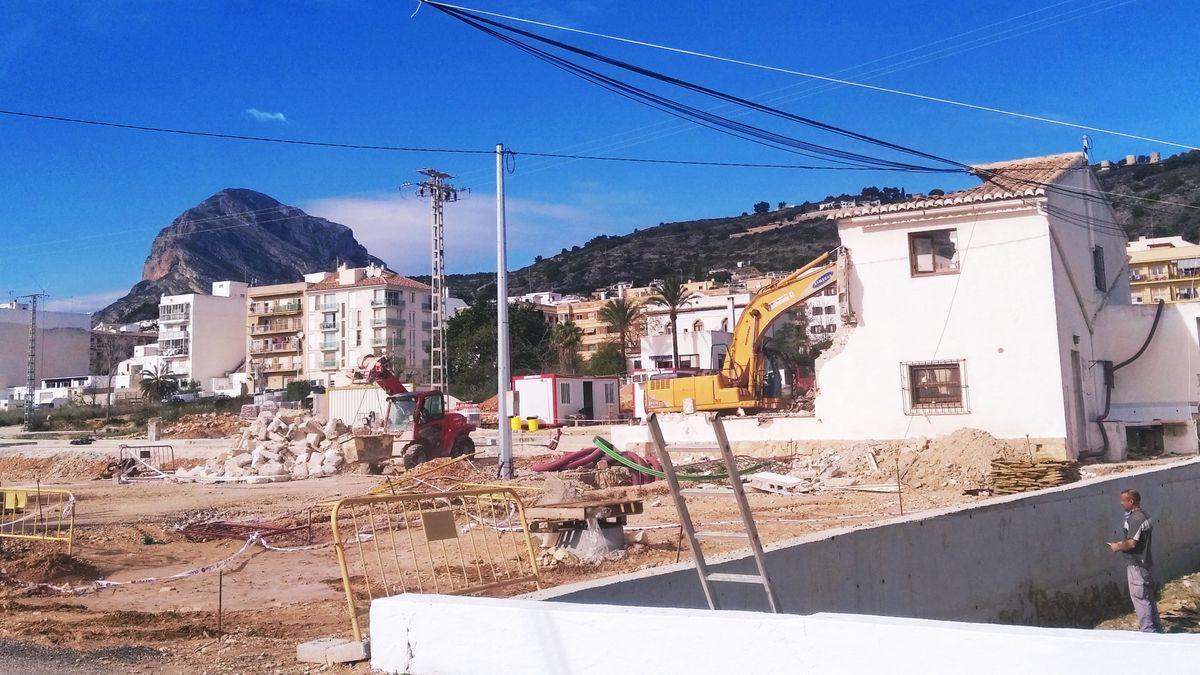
x=63, y=341
x=423, y=635
x=997, y=315
x=705, y=350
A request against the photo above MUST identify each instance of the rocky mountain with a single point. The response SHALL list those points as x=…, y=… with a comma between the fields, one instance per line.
x=238, y=235
x=778, y=240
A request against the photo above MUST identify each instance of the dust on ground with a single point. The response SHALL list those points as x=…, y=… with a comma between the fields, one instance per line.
x=271, y=601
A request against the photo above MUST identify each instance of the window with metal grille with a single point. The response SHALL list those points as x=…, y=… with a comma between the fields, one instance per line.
x=933, y=252
x=934, y=387
x=1098, y=268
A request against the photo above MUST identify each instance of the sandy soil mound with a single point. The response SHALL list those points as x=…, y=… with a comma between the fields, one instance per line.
x=58, y=466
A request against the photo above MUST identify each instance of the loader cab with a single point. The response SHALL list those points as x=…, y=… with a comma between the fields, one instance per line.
x=401, y=413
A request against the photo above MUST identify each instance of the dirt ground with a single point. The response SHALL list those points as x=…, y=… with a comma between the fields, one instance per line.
x=271, y=601
x=1178, y=607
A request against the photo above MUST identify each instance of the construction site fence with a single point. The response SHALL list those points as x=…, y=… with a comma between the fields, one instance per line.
x=160, y=456
x=37, y=514
x=459, y=542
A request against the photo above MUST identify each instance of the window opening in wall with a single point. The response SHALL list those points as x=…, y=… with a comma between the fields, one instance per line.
x=1098, y=268
x=934, y=387
x=933, y=252
x=564, y=392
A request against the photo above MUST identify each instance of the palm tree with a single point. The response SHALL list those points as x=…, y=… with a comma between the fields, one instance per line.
x=622, y=317
x=158, y=384
x=565, y=339
x=673, y=295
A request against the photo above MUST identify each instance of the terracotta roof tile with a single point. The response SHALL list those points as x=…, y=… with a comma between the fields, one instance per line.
x=1002, y=180
x=390, y=279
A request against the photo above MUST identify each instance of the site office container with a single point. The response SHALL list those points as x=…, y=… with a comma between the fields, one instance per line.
x=560, y=399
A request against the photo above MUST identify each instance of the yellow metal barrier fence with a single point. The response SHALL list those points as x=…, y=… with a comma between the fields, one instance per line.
x=458, y=543
x=38, y=513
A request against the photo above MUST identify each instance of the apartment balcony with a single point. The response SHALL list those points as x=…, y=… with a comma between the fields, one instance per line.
x=280, y=366
x=173, y=336
x=174, y=317
x=269, y=346
x=257, y=309
x=1185, y=274
x=276, y=327
x=329, y=346
x=426, y=325
x=328, y=363
x=328, y=325
x=173, y=352
x=383, y=302
x=387, y=322
x=387, y=342
x=427, y=306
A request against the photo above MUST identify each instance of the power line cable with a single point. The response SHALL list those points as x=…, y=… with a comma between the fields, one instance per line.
x=812, y=88
x=594, y=76
x=841, y=81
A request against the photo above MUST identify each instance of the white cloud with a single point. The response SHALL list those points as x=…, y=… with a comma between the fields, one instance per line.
x=88, y=302
x=397, y=229
x=263, y=116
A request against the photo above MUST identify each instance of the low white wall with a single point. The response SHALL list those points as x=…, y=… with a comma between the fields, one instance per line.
x=1037, y=559
x=442, y=634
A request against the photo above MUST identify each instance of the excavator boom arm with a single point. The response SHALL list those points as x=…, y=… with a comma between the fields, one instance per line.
x=743, y=361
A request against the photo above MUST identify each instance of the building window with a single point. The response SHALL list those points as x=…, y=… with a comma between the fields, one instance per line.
x=1098, y=268
x=610, y=392
x=934, y=387
x=564, y=392
x=933, y=252
x=698, y=326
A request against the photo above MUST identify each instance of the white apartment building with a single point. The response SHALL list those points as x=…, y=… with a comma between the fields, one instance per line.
x=203, y=337
x=822, y=315
x=358, y=311
x=63, y=341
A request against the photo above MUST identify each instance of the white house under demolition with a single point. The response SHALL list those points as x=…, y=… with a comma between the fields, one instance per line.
x=1005, y=307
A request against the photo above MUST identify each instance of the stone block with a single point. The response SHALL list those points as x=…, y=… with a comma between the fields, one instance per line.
x=331, y=651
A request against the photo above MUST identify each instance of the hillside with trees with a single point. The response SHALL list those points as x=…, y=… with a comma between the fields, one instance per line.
x=694, y=248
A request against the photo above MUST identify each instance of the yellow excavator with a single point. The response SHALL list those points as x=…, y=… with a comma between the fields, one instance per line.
x=740, y=383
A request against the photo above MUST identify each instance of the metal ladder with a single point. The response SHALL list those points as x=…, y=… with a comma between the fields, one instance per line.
x=685, y=517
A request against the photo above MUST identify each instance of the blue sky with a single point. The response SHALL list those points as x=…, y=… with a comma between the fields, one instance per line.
x=80, y=205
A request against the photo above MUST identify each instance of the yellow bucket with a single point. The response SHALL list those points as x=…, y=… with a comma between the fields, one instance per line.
x=514, y=423
x=532, y=422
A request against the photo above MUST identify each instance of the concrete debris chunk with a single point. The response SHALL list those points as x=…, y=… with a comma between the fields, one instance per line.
x=277, y=445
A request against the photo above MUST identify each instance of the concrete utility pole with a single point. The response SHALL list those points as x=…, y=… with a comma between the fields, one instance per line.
x=502, y=365
x=439, y=192
x=31, y=364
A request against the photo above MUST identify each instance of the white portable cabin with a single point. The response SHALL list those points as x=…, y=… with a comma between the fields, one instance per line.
x=557, y=399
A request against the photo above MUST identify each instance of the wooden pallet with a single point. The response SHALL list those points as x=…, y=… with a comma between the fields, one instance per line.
x=575, y=515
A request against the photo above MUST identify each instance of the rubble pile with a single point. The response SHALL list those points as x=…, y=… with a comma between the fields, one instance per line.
x=203, y=425
x=962, y=458
x=278, y=446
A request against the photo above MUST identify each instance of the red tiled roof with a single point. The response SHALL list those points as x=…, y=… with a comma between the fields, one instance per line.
x=389, y=279
x=1001, y=180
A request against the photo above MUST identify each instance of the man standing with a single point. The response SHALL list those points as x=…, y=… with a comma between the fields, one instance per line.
x=1135, y=548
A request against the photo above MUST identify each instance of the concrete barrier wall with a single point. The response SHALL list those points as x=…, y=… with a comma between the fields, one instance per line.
x=439, y=634
x=1037, y=559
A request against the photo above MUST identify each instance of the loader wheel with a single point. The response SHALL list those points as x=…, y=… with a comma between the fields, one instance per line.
x=416, y=454
x=463, y=446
